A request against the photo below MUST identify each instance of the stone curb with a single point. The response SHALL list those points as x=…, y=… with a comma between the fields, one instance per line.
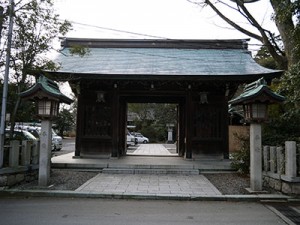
x=73, y=194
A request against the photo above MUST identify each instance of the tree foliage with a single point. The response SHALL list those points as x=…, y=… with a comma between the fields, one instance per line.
x=65, y=121
x=286, y=17
x=35, y=28
x=277, y=52
x=241, y=159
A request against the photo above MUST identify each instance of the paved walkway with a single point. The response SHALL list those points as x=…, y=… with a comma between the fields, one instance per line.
x=151, y=149
x=142, y=184
x=150, y=184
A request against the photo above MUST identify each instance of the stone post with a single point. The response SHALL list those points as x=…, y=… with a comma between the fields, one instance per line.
x=26, y=153
x=280, y=160
x=266, y=153
x=35, y=152
x=14, y=153
x=45, y=152
x=255, y=157
x=272, y=159
x=290, y=159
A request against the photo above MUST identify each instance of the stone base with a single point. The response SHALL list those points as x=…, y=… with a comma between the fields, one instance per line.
x=11, y=179
x=286, y=187
x=255, y=192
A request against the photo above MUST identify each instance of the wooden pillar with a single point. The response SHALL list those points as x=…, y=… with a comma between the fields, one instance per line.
x=225, y=132
x=122, y=126
x=115, y=121
x=79, y=123
x=188, y=124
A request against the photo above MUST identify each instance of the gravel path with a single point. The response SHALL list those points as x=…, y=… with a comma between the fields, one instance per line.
x=226, y=183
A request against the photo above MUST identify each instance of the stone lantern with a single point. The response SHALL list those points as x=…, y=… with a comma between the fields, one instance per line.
x=255, y=100
x=47, y=97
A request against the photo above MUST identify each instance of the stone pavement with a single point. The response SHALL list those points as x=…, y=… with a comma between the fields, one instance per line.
x=150, y=184
x=151, y=149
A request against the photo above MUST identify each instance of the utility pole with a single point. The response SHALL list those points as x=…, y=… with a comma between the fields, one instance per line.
x=1, y=20
x=5, y=82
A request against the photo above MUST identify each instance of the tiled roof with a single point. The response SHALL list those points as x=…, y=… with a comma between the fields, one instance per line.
x=133, y=60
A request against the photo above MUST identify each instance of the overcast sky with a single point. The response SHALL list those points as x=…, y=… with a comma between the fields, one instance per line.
x=175, y=19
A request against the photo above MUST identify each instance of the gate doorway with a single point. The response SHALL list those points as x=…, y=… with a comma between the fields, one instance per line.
x=153, y=129
x=156, y=123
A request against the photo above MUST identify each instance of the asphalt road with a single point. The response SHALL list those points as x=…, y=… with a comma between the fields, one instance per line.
x=45, y=211
x=68, y=146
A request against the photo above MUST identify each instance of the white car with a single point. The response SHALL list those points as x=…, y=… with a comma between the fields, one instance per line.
x=130, y=139
x=56, y=140
x=139, y=138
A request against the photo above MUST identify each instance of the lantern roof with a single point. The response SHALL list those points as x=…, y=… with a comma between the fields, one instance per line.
x=257, y=91
x=45, y=88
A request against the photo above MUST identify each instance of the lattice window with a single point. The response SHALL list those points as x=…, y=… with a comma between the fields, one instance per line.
x=97, y=120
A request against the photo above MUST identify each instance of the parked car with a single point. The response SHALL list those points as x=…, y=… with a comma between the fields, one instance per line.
x=130, y=139
x=56, y=140
x=20, y=135
x=139, y=138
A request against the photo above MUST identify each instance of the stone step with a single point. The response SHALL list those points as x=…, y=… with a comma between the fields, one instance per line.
x=150, y=171
x=150, y=166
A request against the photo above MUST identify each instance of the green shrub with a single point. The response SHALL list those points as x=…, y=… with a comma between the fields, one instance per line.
x=241, y=158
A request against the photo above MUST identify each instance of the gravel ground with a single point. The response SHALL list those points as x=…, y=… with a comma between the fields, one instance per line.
x=230, y=183
x=226, y=183
x=60, y=180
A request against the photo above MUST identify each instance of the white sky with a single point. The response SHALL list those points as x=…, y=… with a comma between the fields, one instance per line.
x=174, y=19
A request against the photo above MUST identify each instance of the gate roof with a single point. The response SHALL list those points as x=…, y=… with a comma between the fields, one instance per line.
x=147, y=57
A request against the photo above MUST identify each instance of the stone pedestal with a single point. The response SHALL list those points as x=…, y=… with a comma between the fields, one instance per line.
x=45, y=152
x=170, y=127
x=255, y=158
x=170, y=135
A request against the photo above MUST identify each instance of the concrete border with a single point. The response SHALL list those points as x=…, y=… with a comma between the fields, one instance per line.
x=73, y=194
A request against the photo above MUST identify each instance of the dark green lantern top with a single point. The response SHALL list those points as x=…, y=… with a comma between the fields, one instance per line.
x=47, y=96
x=45, y=88
x=257, y=91
x=255, y=100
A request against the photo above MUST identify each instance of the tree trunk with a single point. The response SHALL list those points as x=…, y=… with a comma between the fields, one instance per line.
x=286, y=28
x=13, y=117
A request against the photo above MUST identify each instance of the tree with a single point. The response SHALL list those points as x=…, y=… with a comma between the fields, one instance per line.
x=35, y=28
x=284, y=50
x=264, y=59
x=65, y=121
x=286, y=17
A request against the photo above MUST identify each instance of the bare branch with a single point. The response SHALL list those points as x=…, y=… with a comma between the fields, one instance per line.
x=233, y=24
